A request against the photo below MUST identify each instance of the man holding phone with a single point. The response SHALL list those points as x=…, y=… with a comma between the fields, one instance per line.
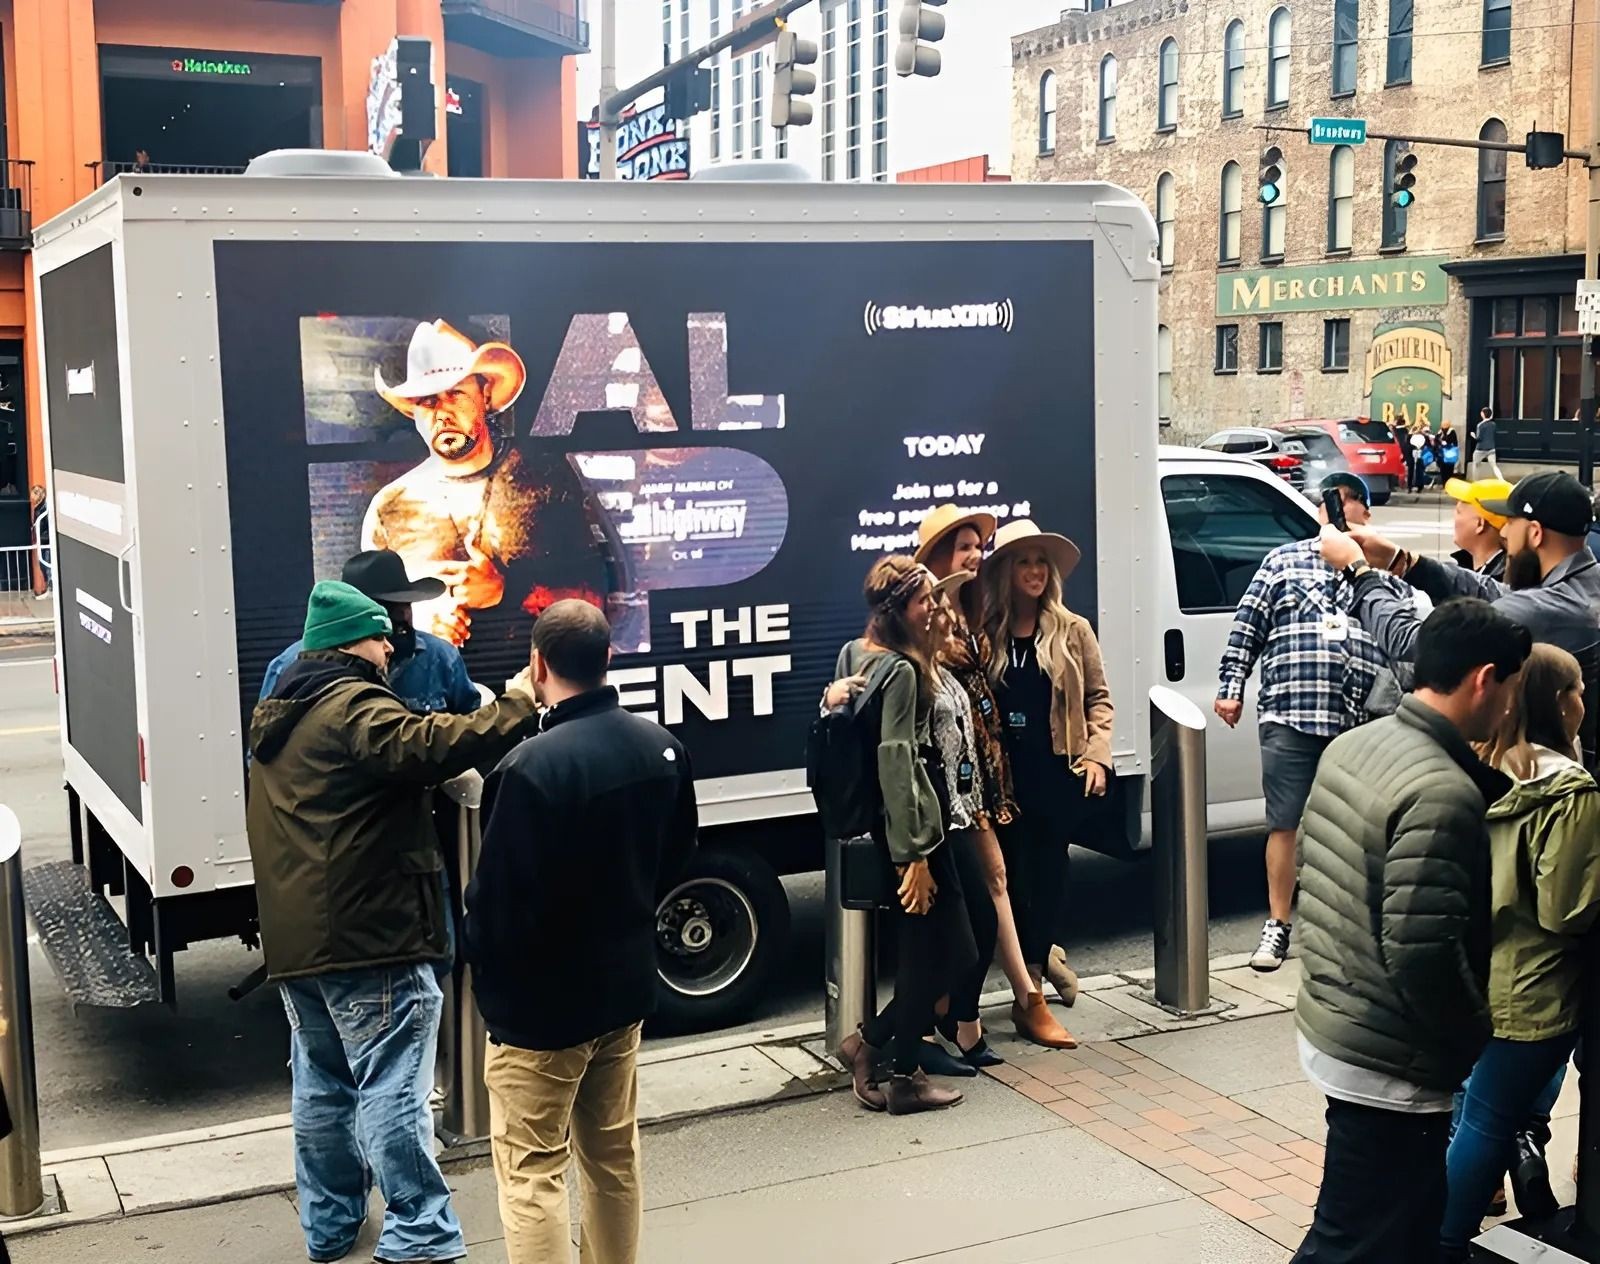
x=1318, y=666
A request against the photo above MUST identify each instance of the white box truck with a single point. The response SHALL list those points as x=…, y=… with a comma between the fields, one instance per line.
x=707, y=406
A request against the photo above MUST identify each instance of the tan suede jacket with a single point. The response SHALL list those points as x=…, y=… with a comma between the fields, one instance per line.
x=1080, y=702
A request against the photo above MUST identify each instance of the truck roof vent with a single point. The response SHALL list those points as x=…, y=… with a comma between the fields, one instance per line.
x=318, y=162
x=755, y=169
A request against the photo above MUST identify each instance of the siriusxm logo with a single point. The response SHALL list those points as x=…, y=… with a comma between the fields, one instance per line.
x=881, y=316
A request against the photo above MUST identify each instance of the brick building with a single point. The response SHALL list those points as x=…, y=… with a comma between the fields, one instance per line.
x=1331, y=302
x=94, y=88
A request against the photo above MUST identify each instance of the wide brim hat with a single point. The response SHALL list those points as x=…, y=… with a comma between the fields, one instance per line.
x=946, y=519
x=1064, y=555
x=952, y=583
x=381, y=575
x=441, y=356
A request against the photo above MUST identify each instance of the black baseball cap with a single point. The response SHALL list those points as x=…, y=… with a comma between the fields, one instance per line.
x=1351, y=483
x=1554, y=499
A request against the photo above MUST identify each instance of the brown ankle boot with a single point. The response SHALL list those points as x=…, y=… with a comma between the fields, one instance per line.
x=1035, y=1022
x=913, y=1094
x=860, y=1058
x=1062, y=976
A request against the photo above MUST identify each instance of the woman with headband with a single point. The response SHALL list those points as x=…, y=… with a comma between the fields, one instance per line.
x=1055, y=706
x=952, y=543
x=934, y=937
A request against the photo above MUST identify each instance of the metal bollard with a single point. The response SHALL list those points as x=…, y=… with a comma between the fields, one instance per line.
x=21, y=1185
x=466, y=1103
x=1178, y=840
x=852, y=984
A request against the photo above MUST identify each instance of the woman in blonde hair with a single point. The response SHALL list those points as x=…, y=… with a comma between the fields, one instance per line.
x=1050, y=685
x=1544, y=839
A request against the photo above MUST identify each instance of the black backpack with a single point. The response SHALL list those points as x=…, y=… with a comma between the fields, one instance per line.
x=842, y=760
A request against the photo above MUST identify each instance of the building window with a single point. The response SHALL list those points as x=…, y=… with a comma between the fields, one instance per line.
x=1278, y=60
x=738, y=92
x=1047, y=113
x=1335, y=346
x=1394, y=217
x=852, y=92
x=1165, y=192
x=1228, y=249
x=880, y=90
x=1399, y=65
x=1108, y=98
x=830, y=92
x=1269, y=357
x=758, y=106
x=1345, y=16
x=1233, y=70
x=1496, y=32
x=1341, y=197
x=1492, y=184
x=1227, y=359
x=1275, y=220
x=716, y=84
x=1167, y=104
x=1164, y=374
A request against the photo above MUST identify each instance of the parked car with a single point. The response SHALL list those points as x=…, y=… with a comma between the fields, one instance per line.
x=1283, y=455
x=1370, y=447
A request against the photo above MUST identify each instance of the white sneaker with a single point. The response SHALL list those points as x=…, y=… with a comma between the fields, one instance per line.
x=1274, y=946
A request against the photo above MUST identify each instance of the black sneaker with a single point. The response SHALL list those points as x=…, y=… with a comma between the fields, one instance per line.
x=1274, y=946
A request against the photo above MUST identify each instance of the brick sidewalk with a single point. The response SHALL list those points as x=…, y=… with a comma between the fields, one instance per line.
x=1257, y=1171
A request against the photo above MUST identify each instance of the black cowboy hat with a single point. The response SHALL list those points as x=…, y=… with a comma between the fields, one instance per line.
x=381, y=575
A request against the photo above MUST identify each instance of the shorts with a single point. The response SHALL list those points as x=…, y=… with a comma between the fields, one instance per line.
x=1288, y=767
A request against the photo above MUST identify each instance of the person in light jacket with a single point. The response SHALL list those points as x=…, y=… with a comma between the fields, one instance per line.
x=1050, y=685
x=1544, y=840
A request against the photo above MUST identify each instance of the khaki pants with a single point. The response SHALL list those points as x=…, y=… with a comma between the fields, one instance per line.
x=543, y=1107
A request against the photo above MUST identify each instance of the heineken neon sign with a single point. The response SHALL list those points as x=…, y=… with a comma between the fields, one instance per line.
x=202, y=66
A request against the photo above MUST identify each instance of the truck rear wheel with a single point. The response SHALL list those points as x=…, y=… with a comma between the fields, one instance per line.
x=719, y=933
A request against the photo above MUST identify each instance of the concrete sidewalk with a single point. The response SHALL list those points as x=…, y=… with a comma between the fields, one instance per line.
x=1161, y=1139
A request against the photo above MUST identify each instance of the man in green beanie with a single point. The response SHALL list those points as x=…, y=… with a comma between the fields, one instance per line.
x=352, y=919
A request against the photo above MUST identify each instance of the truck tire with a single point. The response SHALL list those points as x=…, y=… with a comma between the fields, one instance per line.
x=719, y=932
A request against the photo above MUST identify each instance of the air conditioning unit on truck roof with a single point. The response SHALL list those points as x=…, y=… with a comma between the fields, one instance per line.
x=707, y=406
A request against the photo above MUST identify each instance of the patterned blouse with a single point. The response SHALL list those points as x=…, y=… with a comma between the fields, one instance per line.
x=954, y=737
x=964, y=657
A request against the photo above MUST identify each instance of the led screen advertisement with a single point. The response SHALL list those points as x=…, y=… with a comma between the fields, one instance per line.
x=710, y=441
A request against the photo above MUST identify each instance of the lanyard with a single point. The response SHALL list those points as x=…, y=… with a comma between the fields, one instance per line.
x=1019, y=656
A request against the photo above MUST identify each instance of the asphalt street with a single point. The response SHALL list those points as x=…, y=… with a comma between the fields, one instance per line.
x=108, y=1074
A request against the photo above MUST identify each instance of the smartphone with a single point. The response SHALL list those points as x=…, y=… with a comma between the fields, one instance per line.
x=1333, y=502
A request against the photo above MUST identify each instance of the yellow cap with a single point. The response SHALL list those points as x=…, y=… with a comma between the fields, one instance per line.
x=1479, y=490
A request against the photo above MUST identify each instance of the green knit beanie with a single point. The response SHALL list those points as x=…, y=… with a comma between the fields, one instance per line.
x=340, y=615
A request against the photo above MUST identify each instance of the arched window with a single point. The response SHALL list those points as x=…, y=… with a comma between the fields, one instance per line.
x=1047, y=113
x=1278, y=59
x=1165, y=191
x=1163, y=373
x=1167, y=104
x=1233, y=70
x=1275, y=219
x=1108, y=97
x=1228, y=247
x=1394, y=217
x=1341, y=197
x=1492, y=184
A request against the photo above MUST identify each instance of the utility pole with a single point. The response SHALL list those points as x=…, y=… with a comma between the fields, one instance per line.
x=608, y=89
x=1590, y=269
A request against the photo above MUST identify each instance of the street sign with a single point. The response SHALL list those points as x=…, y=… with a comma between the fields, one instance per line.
x=1337, y=131
x=1589, y=308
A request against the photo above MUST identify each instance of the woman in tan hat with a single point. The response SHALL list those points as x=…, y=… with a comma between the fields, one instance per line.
x=1055, y=710
x=951, y=544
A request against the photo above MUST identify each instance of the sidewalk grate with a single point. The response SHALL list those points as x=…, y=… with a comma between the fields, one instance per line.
x=1257, y=1171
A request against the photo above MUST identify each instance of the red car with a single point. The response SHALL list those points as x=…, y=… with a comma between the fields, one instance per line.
x=1371, y=448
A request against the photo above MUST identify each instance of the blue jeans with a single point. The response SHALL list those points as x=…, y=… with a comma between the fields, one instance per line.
x=1510, y=1077
x=362, y=1047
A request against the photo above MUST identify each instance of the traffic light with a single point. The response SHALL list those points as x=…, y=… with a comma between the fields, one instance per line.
x=1546, y=149
x=789, y=80
x=1271, y=175
x=912, y=56
x=1405, y=181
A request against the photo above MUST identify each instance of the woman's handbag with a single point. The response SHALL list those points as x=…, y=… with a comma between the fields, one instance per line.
x=867, y=877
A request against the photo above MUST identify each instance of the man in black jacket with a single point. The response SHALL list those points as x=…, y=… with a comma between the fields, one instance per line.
x=583, y=824
x=1394, y=917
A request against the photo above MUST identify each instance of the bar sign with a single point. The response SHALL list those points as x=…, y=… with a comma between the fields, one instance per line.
x=1337, y=131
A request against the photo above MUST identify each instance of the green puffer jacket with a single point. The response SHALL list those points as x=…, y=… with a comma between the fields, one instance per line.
x=341, y=829
x=1545, y=840
x=1394, y=899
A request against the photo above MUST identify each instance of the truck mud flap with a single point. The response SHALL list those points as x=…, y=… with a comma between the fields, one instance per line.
x=85, y=943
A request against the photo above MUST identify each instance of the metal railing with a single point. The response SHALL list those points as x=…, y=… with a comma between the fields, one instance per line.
x=26, y=571
x=107, y=170
x=16, y=203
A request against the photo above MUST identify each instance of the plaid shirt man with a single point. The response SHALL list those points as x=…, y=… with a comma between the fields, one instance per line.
x=1318, y=665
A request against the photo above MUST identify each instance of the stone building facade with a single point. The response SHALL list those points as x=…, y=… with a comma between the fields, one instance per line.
x=1331, y=303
